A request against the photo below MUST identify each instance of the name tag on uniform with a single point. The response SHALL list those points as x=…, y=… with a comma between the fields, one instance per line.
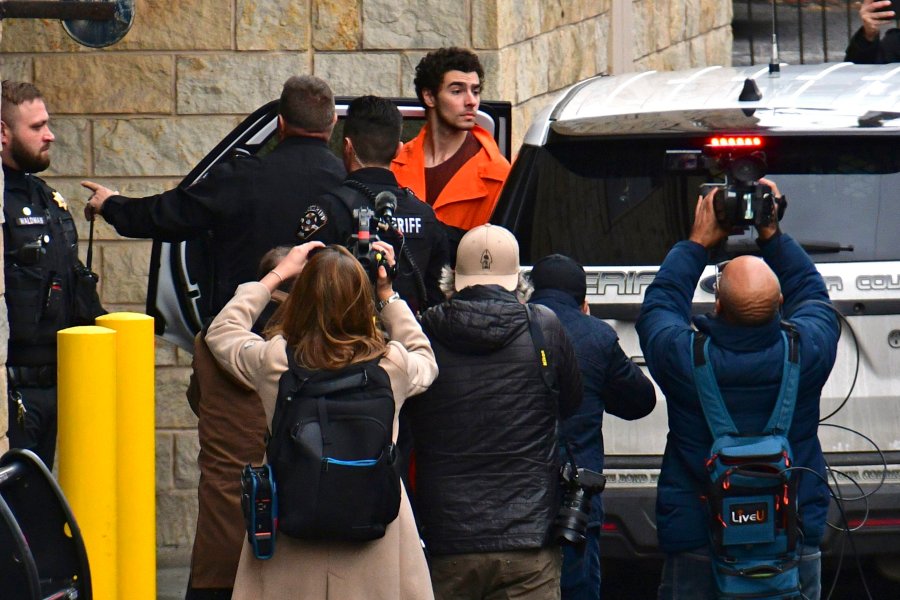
x=411, y=227
x=31, y=220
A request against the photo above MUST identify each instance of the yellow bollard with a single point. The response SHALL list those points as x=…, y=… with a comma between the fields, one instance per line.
x=87, y=444
x=136, y=489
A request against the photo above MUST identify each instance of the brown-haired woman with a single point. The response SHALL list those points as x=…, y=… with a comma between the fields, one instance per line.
x=328, y=320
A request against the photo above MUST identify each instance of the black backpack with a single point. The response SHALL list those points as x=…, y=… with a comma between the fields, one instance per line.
x=332, y=453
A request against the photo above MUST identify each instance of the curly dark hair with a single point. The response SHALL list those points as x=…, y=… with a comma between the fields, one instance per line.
x=430, y=70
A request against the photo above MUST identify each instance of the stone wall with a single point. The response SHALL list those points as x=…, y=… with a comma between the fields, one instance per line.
x=671, y=35
x=138, y=115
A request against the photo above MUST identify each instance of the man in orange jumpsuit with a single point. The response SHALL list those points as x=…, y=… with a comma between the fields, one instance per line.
x=454, y=164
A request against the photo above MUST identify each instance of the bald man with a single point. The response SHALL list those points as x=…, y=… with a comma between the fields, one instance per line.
x=749, y=294
x=746, y=351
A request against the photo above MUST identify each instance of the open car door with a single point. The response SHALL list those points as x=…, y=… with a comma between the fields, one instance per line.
x=180, y=281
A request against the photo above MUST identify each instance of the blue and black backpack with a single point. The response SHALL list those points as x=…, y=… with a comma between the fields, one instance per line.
x=752, y=492
x=332, y=453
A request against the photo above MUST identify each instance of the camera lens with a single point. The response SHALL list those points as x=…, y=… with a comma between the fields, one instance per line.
x=570, y=524
x=747, y=169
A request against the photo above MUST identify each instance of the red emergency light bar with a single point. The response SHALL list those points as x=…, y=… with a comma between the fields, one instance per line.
x=739, y=141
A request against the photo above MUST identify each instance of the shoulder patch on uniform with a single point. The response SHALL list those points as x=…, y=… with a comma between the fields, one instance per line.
x=313, y=220
x=60, y=201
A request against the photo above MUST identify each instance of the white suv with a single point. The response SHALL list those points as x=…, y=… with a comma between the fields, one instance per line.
x=610, y=173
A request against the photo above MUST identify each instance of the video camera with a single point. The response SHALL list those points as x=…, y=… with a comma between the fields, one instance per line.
x=579, y=486
x=361, y=247
x=743, y=201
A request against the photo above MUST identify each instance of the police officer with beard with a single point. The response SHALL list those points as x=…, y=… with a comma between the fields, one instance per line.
x=47, y=287
x=371, y=140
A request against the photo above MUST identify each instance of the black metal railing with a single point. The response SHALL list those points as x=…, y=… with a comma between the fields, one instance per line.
x=809, y=31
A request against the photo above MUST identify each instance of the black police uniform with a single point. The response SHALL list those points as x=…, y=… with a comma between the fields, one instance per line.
x=249, y=205
x=41, y=270
x=331, y=221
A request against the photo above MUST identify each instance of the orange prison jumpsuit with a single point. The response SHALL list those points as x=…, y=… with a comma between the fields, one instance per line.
x=469, y=197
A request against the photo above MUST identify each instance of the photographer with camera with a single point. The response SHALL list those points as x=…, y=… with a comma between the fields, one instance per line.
x=746, y=349
x=487, y=483
x=867, y=46
x=328, y=330
x=371, y=140
x=612, y=383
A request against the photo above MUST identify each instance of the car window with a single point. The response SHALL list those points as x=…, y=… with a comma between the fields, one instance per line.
x=608, y=202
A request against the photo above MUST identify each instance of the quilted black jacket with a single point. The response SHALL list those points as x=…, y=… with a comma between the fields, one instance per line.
x=487, y=472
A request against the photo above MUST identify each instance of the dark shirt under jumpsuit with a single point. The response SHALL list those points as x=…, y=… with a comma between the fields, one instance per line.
x=248, y=205
x=422, y=233
x=40, y=245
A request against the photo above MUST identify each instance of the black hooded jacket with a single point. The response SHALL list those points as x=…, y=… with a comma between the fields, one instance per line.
x=487, y=472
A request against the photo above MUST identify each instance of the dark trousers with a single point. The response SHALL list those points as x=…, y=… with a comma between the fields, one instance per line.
x=37, y=432
x=581, y=569
x=207, y=593
x=519, y=574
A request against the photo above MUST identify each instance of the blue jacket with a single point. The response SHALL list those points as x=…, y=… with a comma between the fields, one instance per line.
x=611, y=382
x=748, y=365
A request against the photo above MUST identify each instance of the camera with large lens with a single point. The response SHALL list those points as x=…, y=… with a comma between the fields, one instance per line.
x=361, y=247
x=743, y=201
x=579, y=486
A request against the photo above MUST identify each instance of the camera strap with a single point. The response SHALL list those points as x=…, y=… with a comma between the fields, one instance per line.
x=540, y=346
x=547, y=373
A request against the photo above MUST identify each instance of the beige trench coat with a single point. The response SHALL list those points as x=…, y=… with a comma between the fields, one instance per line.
x=390, y=568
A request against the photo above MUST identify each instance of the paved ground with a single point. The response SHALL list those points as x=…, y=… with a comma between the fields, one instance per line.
x=171, y=583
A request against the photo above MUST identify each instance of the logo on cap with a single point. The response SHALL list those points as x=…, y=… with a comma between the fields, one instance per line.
x=486, y=260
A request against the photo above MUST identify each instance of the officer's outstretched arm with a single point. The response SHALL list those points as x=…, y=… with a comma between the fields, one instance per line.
x=99, y=196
